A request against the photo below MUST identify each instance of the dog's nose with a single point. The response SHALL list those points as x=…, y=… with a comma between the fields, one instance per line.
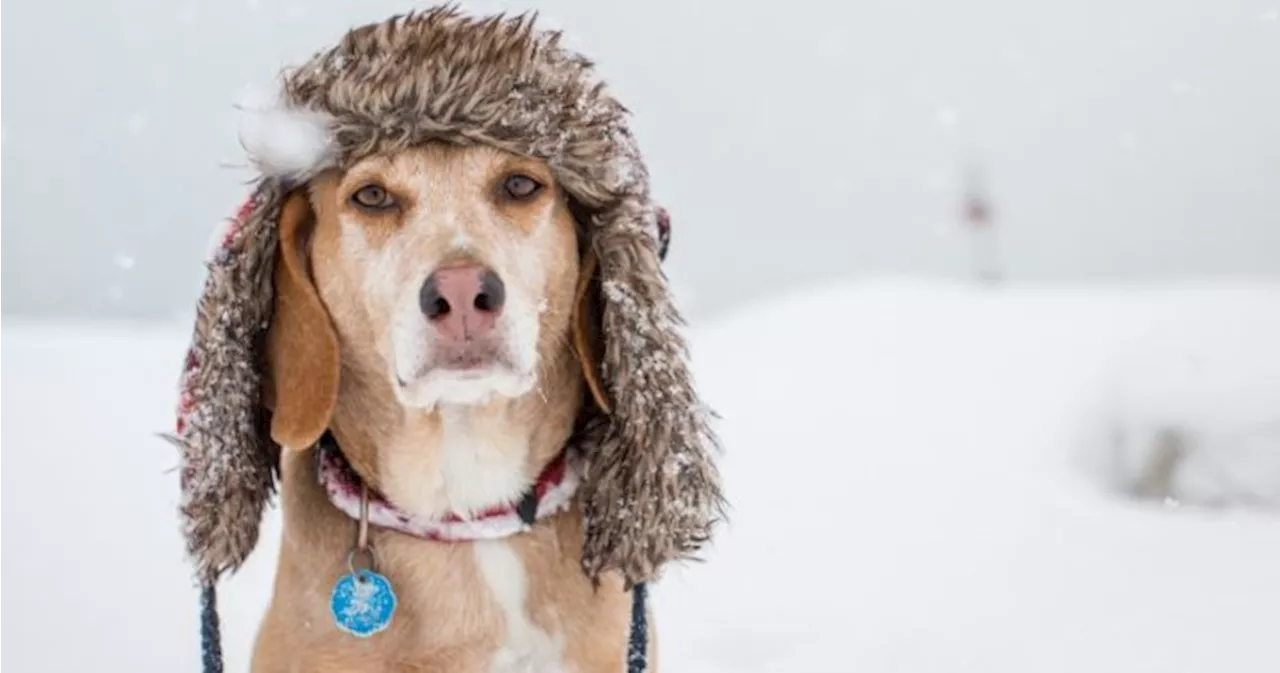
x=463, y=302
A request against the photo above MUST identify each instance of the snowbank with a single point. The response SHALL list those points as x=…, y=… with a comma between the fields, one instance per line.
x=903, y=460
x=1190, y=412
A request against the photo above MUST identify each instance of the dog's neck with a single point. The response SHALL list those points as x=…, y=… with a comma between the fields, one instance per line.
x=456, y=459
x=551, y=494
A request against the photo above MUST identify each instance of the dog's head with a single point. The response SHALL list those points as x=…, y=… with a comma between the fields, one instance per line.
x=447, y=275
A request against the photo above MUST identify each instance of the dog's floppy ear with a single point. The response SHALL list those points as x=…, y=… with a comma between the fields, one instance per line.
x=586, y=330
x=302, y=347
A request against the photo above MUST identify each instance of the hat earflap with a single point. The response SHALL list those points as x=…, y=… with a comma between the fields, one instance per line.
x=251, y=382
x=228, y=461
x=651, y=491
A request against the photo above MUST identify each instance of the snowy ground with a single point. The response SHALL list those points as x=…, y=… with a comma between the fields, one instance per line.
x=925, y=477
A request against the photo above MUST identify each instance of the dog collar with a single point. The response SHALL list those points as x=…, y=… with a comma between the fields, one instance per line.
x=551, y=493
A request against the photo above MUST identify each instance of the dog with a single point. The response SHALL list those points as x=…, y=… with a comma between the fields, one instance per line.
x=450, y=279
x=440, y=323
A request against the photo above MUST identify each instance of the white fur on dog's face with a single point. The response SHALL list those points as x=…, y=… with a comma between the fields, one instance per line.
x=450, y=207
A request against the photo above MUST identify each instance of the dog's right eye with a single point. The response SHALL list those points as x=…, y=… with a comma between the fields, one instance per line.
x=520, y=187
x=373, y=197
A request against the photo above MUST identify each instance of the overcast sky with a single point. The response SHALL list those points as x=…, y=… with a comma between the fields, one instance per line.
x=796, y=142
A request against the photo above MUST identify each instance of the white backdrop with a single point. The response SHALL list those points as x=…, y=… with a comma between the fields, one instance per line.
x=793, y=142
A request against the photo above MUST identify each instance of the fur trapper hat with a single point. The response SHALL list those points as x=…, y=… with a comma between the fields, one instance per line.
x=650, y=490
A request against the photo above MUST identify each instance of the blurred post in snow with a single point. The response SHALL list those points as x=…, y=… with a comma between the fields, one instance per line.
x=979, y=220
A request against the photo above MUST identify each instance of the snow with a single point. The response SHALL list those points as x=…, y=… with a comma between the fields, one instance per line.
x=924, y=477
x=1186, y=381
x=137, y=123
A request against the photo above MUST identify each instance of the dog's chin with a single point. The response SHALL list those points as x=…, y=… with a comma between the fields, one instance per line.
x=463, y=387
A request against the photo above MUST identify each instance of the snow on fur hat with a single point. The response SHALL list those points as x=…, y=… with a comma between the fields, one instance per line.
x=650, y=490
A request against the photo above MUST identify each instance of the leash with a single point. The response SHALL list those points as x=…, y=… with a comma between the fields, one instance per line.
x=210, y=631
x=638, y=639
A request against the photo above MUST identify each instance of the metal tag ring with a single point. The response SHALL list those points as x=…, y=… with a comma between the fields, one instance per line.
x=351, y=560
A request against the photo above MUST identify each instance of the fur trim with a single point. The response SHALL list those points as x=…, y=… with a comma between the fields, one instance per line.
x=439, y=75
x=229, y=462
x=650, y=491
x=284, y=141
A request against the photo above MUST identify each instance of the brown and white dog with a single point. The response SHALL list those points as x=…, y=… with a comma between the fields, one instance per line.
x=449, y=280
x=441, y=323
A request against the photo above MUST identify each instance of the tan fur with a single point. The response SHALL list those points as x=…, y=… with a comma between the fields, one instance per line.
x=451, y=208
x=301, y=347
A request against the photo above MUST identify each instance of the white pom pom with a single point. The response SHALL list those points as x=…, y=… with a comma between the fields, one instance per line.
x=283, y=141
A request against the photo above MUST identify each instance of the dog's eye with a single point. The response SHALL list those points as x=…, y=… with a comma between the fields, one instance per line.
x=373, y=197
x=520, y=187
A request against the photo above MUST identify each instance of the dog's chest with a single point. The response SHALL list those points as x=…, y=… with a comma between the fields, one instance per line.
x=524, y=647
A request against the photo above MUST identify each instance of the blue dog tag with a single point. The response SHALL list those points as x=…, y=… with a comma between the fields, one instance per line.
x=362, y=603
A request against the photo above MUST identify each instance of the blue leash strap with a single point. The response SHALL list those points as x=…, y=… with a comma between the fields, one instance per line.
x=638, y=643
x=210, y=631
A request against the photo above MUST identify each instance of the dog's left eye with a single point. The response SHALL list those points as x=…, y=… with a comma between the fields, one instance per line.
x=373, y=197
x=520, y=187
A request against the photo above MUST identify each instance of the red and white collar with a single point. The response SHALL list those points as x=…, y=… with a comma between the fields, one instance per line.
x=551, y=493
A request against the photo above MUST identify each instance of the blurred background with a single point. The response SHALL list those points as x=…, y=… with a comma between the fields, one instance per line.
x=986, y=292
x=793, y=142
